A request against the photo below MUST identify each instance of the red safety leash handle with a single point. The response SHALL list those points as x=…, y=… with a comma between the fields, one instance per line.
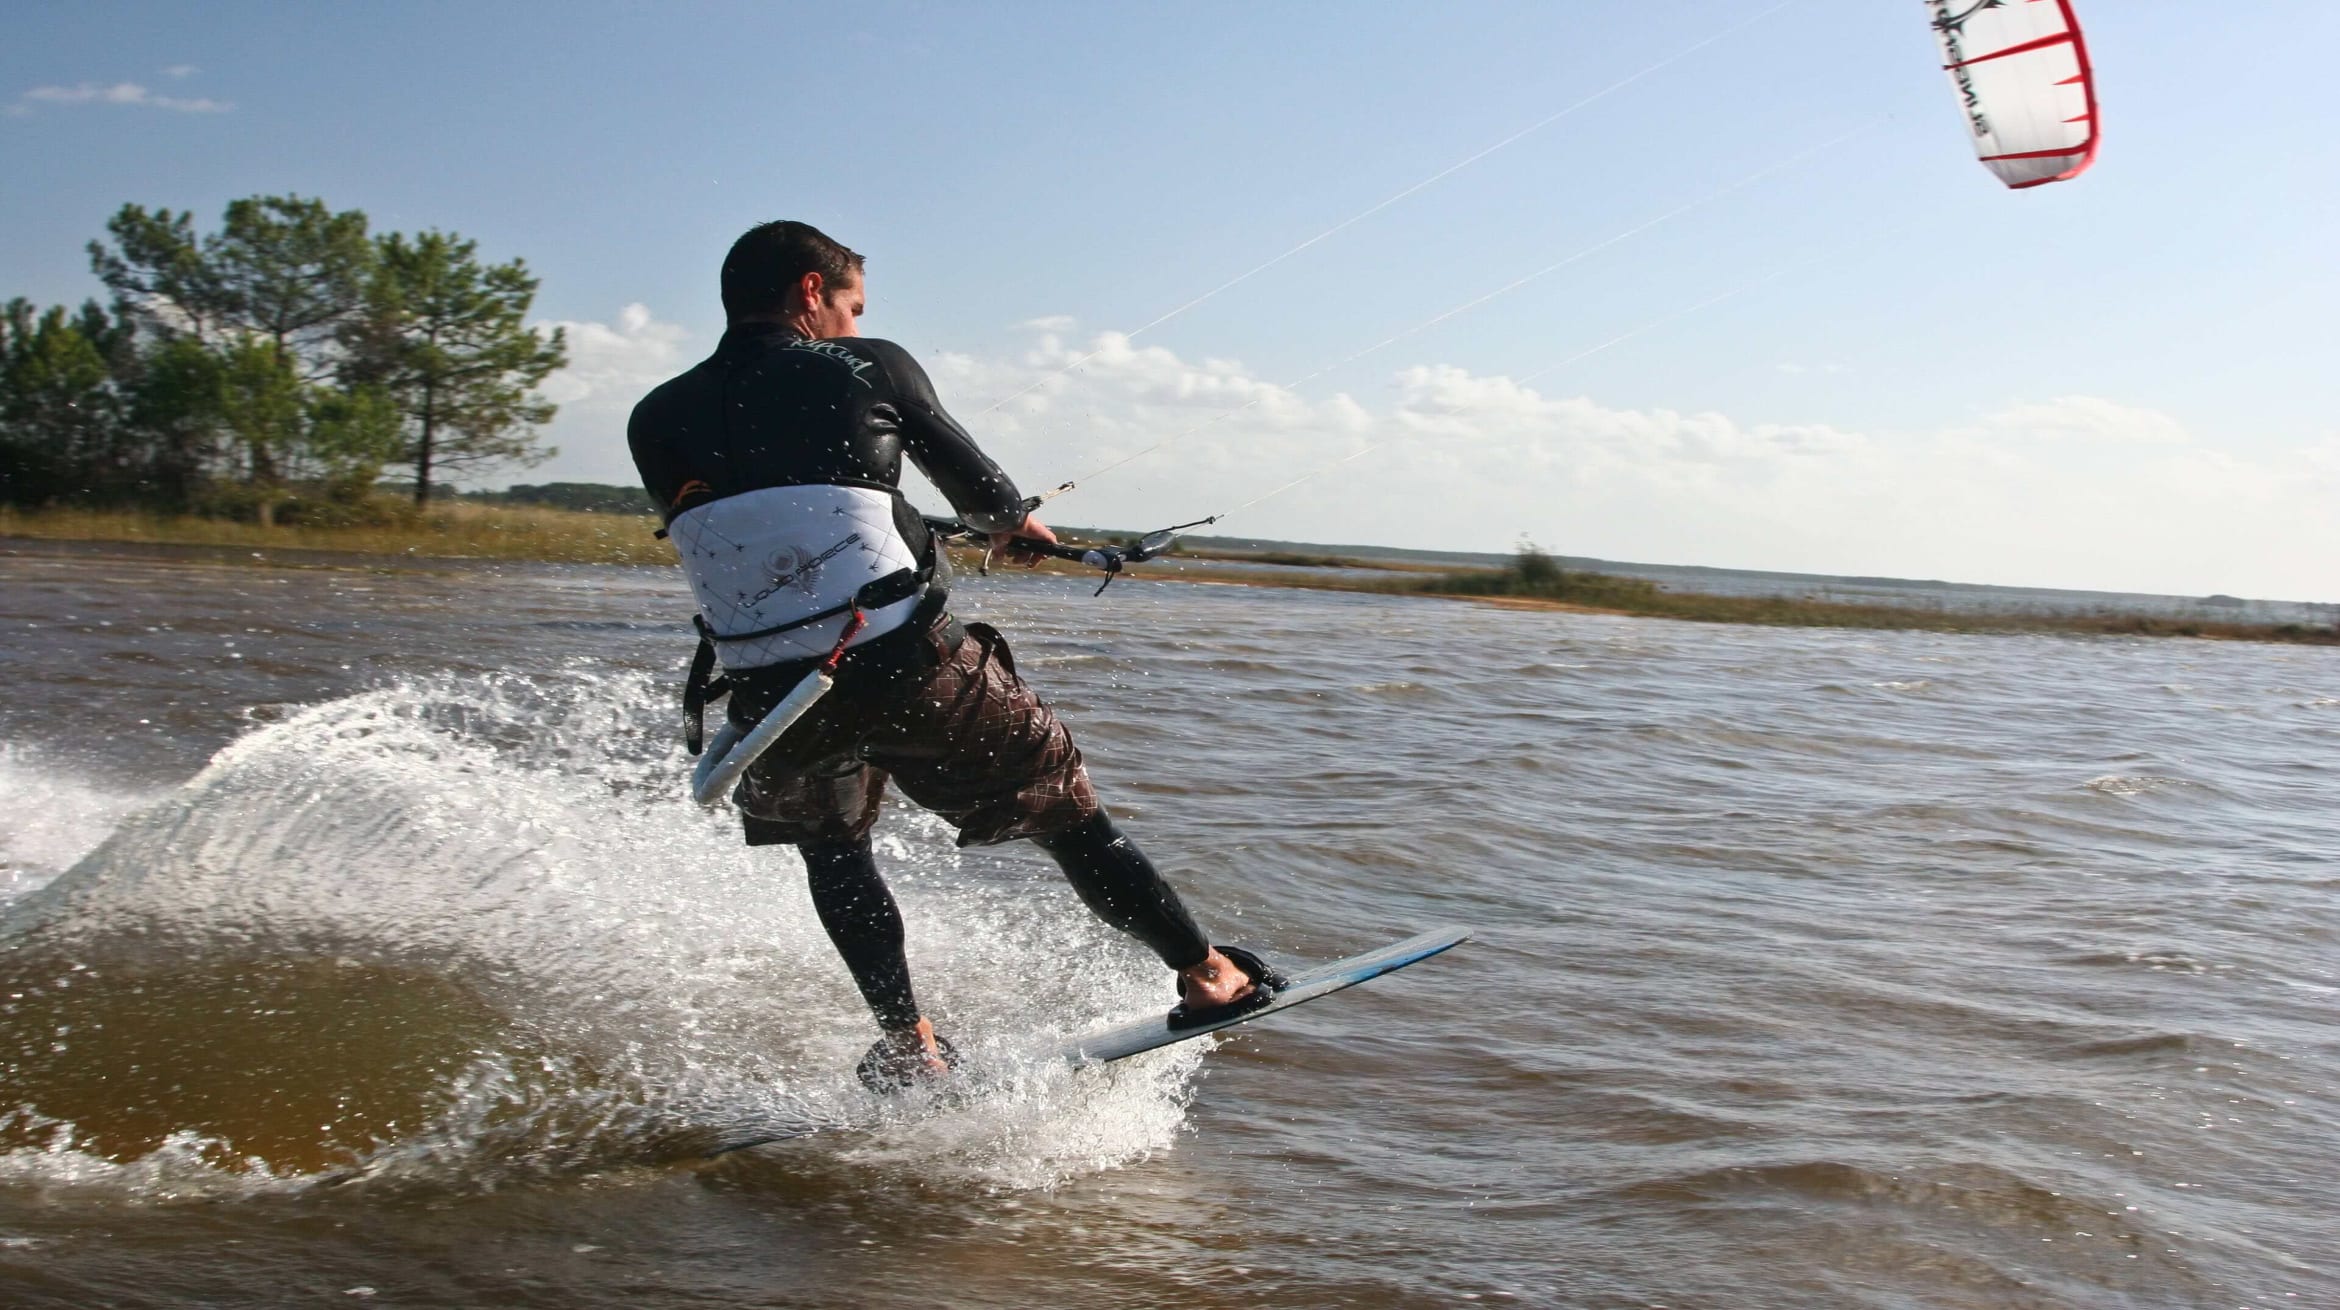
x=853, y=627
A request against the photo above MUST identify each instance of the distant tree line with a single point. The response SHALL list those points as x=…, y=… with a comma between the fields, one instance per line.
x=589, y=497
x=273, y=367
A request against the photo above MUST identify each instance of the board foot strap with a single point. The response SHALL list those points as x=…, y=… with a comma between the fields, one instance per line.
x=1265, y=983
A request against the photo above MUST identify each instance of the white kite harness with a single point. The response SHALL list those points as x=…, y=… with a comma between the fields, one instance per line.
x=783, y=575
x=775, y=571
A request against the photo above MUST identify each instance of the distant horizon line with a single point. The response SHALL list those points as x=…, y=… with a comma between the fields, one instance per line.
x=1592, y=562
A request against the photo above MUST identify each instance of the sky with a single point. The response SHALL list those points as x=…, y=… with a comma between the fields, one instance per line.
x=1757, y=307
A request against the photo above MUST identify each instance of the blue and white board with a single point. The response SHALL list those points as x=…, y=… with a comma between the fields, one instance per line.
x=1154, y=1032
x=1147, y=1034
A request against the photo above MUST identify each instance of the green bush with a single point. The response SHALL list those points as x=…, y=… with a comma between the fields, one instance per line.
x=347, y=506
x=1535, y=570
x=1533, y=573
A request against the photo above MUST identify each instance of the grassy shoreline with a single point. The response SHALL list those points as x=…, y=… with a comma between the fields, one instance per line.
x=450, y=530
x=459, y=531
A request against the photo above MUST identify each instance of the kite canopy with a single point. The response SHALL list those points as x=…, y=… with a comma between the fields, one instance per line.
x=2020, y=69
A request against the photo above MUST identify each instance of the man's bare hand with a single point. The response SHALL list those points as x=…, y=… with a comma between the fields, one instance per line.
x=1032, y=530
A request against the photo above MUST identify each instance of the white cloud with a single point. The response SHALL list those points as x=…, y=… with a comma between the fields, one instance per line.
x=611, y=366
x=181, y=70
x=2323, y=460
x=2078, y=491
x=116, y=93
x=2089, y=419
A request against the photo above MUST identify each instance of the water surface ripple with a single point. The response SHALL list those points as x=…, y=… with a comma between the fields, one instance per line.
x=1814, y=968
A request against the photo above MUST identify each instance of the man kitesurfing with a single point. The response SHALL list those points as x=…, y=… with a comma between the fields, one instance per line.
x=776, y=464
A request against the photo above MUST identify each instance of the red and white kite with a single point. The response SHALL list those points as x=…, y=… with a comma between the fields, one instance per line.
x=2021, y=72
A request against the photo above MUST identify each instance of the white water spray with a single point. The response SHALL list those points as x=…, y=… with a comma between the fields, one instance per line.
x=529, y=844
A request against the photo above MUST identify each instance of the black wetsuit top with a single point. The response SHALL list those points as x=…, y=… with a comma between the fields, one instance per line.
x=772, y=409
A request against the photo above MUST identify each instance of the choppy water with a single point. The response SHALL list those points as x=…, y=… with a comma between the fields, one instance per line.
x=1814, y=968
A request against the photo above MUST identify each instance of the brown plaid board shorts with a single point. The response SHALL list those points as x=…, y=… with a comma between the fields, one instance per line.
x=959, y=732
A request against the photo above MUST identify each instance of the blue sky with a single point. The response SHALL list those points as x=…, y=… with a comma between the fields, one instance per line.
x=2125, y=381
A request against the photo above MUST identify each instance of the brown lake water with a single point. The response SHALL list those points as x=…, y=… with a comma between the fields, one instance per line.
x=1813, y=968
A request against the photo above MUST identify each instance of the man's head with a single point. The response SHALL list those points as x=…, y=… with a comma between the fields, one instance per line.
x=788, y=272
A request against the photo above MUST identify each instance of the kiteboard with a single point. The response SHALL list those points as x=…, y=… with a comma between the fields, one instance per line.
x=1157, y=1031
x=1148, y=1034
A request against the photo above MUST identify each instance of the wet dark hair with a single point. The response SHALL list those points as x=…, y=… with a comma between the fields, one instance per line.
x=767, y=262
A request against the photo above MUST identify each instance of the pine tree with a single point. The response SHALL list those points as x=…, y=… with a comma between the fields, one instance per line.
x=446, y=337
x=284, y=271
x=286, y=349
x=60, y=434
x=175, y=402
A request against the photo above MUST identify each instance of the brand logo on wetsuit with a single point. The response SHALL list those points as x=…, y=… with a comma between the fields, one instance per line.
x=791, y=566
x=832, y=350
x=1953, y=30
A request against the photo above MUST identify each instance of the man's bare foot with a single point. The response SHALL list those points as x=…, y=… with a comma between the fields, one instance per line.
x=1213, y=983
x=919, y=1044
x=905, y=1056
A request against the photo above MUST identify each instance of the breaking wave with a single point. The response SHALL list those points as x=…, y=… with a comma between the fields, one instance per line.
x=466, y=928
